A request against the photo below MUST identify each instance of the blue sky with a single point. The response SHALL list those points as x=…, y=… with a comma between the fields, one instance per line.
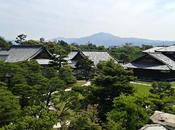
x=153, y=19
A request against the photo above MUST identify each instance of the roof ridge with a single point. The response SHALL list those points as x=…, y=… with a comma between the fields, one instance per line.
x=169, y=64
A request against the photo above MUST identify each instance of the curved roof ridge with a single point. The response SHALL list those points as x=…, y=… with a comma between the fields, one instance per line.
x=164, y=59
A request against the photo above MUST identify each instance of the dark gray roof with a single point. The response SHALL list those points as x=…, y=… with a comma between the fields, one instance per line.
x=151, y=50
x=21, y=53
x=3, y=52
x=71, y=55
x=164, y=59
x=3, y=55
x=144, y=66
x=96, y=57
x=167, y=49
x=156, y=53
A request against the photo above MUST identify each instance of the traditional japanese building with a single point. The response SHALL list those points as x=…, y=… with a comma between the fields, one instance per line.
x=77, y=56
x=19, y=53
x=96, y=57
x=157, y=63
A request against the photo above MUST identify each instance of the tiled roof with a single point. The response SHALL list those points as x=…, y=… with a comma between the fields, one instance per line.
x=164, y=59
x=144, y=66
x=21, y=53
x=71, y=55
x=3, y=52
x=158, y=54
x=3, y=55
x=167, y=49
x=151, y=50
x=96, y=57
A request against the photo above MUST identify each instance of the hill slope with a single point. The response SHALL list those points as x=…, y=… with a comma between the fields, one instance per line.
x=108, y=39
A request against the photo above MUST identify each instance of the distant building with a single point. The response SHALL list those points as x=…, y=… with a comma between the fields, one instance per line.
x=76, y=56
x=157, y=63
x=19, y=53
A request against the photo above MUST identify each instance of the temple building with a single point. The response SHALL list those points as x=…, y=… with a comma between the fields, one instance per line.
x=75, y=57
x=18, y=53
x=157, y=63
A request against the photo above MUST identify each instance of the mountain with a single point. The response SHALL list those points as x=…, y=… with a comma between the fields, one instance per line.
x=108, y=39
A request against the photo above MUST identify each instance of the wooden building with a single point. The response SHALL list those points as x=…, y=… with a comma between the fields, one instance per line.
x=157, y=63
x=19, y=53
x=75, y=57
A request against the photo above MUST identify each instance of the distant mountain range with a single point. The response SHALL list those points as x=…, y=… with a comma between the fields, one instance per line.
x=108, y=39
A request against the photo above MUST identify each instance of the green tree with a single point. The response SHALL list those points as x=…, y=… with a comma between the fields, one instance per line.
x=10, y=107
x=34, y=118
x=127, y=114
x=21, y=38
x=111, y=81
x=66, y=103
x=87, y=68
x=26, y=93
x=31, y=42
x=162, y=97
x=163, y=89
x=4, y=44
x=145, y=47
x=126, y=53
x=58, y=59
x=87, y=119
x=54, y=84
x=66, y=74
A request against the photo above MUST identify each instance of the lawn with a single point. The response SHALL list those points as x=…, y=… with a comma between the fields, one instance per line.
x=141, y=90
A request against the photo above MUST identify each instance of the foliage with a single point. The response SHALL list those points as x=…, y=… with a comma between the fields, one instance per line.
x=127, y=114
x=163, y=89
x=89, y=47
x=36, y=97
x=65, y=104
x=127, y=52
x=111, y=82
x=87, y=119
x=21, y=38
x=54, y=84
x=4, y=44
x=31, y=42
x=34, y=118
x=162, y=97
x=66, y=74
x=87, y=68
x=10, y=107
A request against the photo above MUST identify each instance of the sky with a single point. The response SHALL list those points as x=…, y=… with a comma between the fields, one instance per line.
x=152, y=19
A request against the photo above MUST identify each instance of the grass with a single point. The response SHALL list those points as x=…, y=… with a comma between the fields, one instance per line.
x=141, y=90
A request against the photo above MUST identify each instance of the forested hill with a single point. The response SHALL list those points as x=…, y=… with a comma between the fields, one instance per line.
x=108, y=39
